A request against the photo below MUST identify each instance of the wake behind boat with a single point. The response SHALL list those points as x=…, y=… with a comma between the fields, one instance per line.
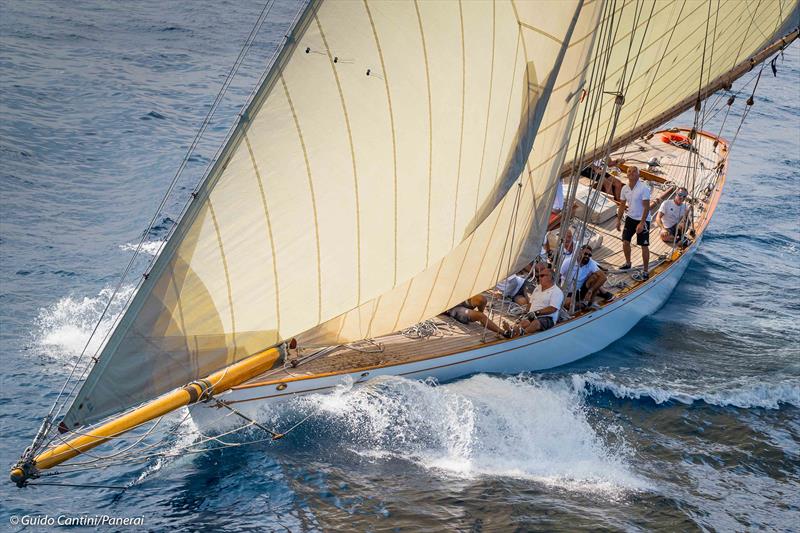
x=348, y=208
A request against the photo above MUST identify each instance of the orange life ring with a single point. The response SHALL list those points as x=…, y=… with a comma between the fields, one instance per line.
x=676, y=138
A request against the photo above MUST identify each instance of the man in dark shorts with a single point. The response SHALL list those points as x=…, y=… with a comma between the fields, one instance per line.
x=471, y=310
x=636, y=199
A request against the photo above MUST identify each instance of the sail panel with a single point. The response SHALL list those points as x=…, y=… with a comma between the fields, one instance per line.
x=334, y=190
x=666, y=55
x=510, y=234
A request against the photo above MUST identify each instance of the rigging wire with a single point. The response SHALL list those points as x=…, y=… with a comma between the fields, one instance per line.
x=699, y=118
x=595, y=86
x=204, y=125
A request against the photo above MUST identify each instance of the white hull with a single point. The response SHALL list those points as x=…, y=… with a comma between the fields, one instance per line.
x=558, y=346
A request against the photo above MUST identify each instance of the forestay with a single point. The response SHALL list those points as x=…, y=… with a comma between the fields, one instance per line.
x=371, y=183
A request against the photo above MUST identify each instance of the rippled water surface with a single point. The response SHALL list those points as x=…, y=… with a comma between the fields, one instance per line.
x=690, y=422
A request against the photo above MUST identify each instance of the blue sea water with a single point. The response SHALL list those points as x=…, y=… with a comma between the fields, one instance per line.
x=691, y=422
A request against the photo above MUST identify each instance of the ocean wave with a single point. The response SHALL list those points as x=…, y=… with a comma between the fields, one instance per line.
x=148, y=247
x=483, y=426
x=64, y=328
x=742, y=394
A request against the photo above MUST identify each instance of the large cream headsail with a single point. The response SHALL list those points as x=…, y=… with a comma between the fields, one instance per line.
x=370, y=184
x=371, y=151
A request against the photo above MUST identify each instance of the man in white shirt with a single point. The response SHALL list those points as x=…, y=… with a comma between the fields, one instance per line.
x=546, y=300
x=636, y=199
x=671, y=217
x=585, y=277
x=567, y=247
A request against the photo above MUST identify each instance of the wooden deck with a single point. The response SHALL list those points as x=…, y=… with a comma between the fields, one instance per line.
x=450, y=336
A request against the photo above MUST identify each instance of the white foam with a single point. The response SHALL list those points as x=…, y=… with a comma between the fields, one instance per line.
x=64, y=327
x=743, y=393
x=148, y=247
x=483, y=426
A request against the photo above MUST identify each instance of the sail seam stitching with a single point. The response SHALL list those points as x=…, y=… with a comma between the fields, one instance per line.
x=232, y=358
x=461, y=127
x=352, y=158
x=488, y=112
x=313, y=197
x=430, y=131
x=268, y=221
x=392, y=127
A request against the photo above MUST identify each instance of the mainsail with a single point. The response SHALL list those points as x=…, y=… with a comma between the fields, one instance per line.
x=399, y=157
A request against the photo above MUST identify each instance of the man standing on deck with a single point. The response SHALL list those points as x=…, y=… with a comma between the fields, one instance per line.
x=636, y=198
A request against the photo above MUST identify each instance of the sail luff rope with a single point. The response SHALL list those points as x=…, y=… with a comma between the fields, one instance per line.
x=209, y=169
x=268, y=66
x=47, y=423
x=193, y=194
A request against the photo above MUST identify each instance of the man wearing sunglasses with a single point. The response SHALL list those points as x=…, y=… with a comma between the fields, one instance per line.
x=671, y=217
x=546, y=300
x=586, y=278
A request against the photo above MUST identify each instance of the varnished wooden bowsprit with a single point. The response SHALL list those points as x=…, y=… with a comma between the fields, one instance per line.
x=193, y=392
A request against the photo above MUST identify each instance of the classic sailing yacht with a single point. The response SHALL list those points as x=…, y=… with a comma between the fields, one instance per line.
x=397, y=158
